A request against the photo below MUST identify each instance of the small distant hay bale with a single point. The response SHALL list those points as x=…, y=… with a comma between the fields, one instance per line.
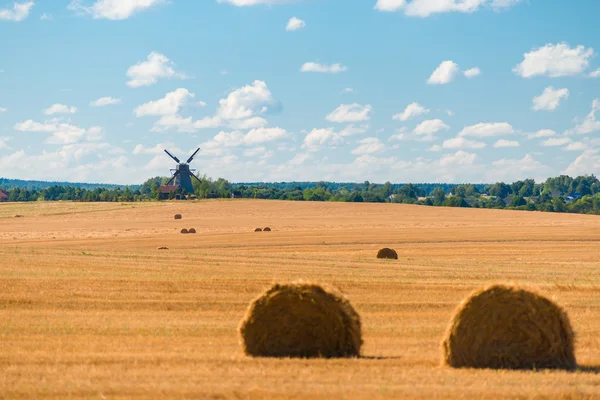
x=506, y=327
x=163, y=248
x=185, y=231
x=258, y=230
x=267, y=229
x=192, y=230
x=301, y=320
x=177, y=216
x=387, y=253
x=19, y=216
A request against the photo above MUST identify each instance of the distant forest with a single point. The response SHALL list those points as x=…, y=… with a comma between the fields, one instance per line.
x=30, y=185
x=561, y=194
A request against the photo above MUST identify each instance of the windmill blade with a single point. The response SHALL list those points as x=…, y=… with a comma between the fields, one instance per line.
x=172, y=156
x=173, y=178
x=192, y=156
x=194, y=175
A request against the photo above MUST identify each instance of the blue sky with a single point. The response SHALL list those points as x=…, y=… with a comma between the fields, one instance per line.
x=277, y=90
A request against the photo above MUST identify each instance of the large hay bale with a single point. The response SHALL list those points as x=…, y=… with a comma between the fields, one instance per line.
x=511, y=328
x=387, y=253
x=267, y=229
x=191, y=230
x=177, y=216
x=258, y=230
x=301, y=320
x=185, y=231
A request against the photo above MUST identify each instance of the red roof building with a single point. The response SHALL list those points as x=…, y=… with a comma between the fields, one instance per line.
x=3, y=196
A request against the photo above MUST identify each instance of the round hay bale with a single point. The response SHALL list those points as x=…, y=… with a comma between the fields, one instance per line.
x=267, y=229
x=506, y=327
x=301, y=320
x=387, y=253
x=185, y=231
x=258, y=230
x=192, y=230
x=163, y=248
x=177, y=216
x=19, y=216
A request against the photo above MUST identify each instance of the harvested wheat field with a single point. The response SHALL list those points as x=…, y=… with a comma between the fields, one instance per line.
x=90, y=308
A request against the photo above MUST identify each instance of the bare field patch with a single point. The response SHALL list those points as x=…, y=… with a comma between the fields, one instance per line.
x=90, y=308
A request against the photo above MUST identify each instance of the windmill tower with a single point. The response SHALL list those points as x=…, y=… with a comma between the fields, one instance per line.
x=182, y=174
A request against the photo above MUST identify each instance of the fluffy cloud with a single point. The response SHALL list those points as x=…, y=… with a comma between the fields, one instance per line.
x=542, y=133
x=389, y=5
x=462, y=143
x=483, y=130
x=146, y=73
x=247, y=102
x=589, y=124
x=430, y=127
x=350, y=113
x=264, y=135
x=156, y=150
x=294, y=24
x=595, y=74
x=181, y=124
x=168, y=105
x=445, y=73
x=553, y=142
x=503, y=143
x=472, y=72
x=555, y=60
x=411, y=111
x=244, y=3
x=426, y=8
x=61, y=133
x=510, y=170
x=318, y=138
x=550, y=99
x=588, y=161
x=3, y=109
x=105, y=101
x=113, y=9
x=18, y=13
x=60, y=109
x=576, y=146
x=369, y=145
x=458, y=158
x=323, y=68
x=3, y=142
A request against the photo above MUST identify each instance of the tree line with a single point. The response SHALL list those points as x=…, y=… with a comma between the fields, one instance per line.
x=560, y=194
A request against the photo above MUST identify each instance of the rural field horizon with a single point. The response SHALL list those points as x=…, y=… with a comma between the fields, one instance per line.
x=91, y=307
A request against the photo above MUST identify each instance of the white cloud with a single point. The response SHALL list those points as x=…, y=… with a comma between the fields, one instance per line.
x=430, y=127
x=300, y=158
x=435, y=148
x=181, y=124
x=595, y=74
x=348, y=90
x=168, y=105
x=318, y=138
x=60, y=109
x=555, y=60
x=586, y=163
x=46, y=17
x=113, y=9
x=550, y=99
x=295, y=24
x=247, y=102
x=510, y=170
x=323, y=68
x=3, y=142
x=498, y=5
x=576, y=146
x=411, y=111
x=542, y=133
x=156, y=150
x=264, y=135
x=255, y=151
x=462, y=143
x=589, y=124
x=483, y=130
x=350, y=113
x=250, y=123
x=201, y=103
x=62, y=133
x=459, y=158
x=445, y=73
x=3, y=109
x=32, y=126
x=244, y=3
x=105, y=101
x=389, y=5
x=472, y=72
x=146, y=73
x=369, y=145
x=552, y=142
x=352, y=130
x=503, y=143
x=18, y=13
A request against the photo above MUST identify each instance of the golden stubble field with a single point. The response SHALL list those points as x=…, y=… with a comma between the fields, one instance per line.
x=89, y=308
